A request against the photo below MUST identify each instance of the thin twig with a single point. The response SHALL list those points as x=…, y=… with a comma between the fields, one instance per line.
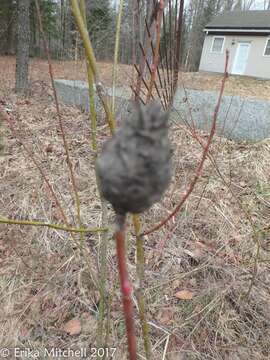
x=52, y=226
x=92, y=63
x=72, y=177
x=156, y=54
x=10, y=121
x=204, y=156
x=178, y=45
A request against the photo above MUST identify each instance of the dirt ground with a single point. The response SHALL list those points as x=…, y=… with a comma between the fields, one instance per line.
x=235, y=85
x=207, y=271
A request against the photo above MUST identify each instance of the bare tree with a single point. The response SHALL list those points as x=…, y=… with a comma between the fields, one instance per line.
x=23, y=44
x=229, y=5
x=7, y=28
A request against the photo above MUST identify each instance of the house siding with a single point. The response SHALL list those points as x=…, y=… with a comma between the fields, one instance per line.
x=257, y=64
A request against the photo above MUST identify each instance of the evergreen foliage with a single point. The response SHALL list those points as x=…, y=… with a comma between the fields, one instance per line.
x=64, y=41
x=100, y=21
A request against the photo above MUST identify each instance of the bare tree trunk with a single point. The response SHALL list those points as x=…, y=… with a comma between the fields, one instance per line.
x=23, y=43
x=151, y=21
x=228, y=5
x=62, y=27
x=7, y=22
x=69, y=35
x=10, y=47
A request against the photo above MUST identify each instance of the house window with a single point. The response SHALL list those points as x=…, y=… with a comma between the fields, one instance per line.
x=217, y=45
x=267, y=48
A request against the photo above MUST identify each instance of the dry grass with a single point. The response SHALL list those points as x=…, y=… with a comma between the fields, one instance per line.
x=236, y=85
x=208, y=249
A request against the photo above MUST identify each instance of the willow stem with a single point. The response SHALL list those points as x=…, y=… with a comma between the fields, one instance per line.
x=140, y=263
x=52, y=226
x=125, y=285
x=116, y=52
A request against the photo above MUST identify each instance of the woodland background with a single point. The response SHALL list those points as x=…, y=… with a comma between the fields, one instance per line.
x=63, y=37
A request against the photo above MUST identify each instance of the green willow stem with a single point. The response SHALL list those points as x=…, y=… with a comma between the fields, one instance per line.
x=116, y=52
x=66, y=147
x=92, y=63
x=91, y=81
x=52, y=226
x=140, y=262
x=104, y=210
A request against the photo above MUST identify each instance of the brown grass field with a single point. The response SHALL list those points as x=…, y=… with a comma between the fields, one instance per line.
x=236, y=85
x=207, y=282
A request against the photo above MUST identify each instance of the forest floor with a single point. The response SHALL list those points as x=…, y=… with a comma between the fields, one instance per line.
x=71, y=70
x=207, y=271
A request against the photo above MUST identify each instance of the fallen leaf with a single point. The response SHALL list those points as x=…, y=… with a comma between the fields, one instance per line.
x=184, y=295
x=73, y=327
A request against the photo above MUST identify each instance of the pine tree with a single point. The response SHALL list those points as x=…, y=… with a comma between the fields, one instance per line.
x=48, y=10
x=100, y=26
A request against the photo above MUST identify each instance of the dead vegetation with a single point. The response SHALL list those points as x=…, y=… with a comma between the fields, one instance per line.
x=72, y=70
x=200, y=267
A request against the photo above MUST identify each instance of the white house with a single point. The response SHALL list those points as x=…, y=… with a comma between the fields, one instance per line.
x=246, y=34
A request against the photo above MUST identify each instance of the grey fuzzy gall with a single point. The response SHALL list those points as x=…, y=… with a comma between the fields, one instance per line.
x=134, y=167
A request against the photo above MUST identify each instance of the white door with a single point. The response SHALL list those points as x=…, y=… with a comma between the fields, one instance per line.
x=241, y=57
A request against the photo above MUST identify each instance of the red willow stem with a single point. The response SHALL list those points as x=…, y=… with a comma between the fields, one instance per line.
x=156, y=52
x=60, y=121
x=178, y=45
x=204, y=156
x=10, y=121
x=125, y=285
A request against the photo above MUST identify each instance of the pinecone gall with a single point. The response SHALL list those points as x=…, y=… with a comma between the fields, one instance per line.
x=134, y=167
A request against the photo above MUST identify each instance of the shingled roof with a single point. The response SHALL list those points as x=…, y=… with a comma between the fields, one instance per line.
x=254, y=19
